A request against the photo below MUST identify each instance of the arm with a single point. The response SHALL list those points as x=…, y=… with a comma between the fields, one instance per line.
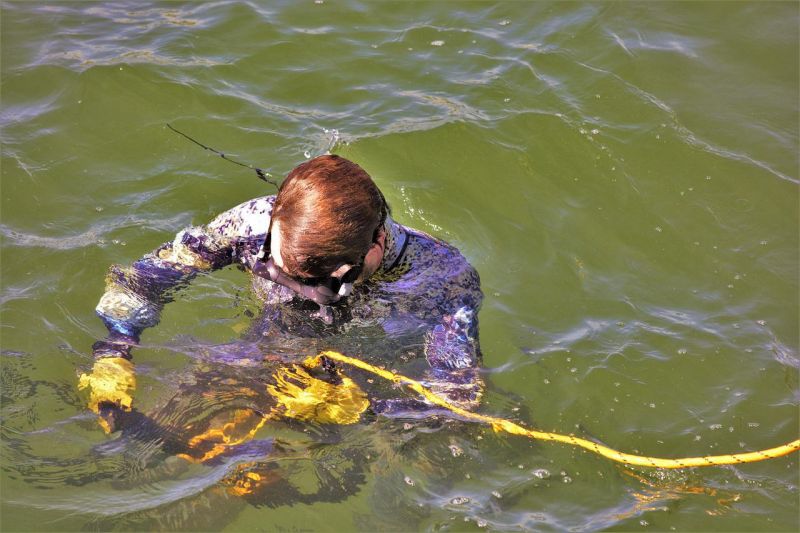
x=451, y=346
x=453, y=353
x=135, y=295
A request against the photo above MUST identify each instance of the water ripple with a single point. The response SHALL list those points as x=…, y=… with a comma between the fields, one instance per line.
x=96, y=235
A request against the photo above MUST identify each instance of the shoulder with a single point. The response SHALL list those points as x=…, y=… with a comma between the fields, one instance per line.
x=426, y=247
x=437, y=256
x=246, y=219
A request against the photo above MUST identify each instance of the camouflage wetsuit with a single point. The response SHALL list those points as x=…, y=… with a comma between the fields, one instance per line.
x=423, y=287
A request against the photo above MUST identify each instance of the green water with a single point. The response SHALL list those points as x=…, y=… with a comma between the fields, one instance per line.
x=624, y=176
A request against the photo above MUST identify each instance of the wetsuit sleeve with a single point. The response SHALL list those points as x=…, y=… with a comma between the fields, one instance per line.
x=135, y=295
x=451, y=348
x=453, y=353
x=453, y=343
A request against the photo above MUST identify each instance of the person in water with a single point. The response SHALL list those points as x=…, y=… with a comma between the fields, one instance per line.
x=324, y=253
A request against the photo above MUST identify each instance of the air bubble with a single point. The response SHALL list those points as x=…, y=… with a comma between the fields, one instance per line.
x=437, y=43
x=455, y=450
x=409, y=481
x=541, y=473
x=460, y=500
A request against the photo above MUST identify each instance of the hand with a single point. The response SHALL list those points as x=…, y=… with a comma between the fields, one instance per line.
x=305, y=397
x=111, y=384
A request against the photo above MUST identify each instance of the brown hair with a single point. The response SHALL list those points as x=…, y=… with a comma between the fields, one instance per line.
x=330, y=212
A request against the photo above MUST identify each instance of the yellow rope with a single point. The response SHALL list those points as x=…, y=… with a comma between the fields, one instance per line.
x=500, y=424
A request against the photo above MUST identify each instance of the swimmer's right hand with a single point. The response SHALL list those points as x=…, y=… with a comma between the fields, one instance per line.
x=111, y=384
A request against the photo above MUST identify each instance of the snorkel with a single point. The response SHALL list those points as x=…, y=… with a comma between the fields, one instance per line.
x=323, y=291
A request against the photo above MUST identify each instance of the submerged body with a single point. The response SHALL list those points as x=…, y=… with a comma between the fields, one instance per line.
x=423, y=288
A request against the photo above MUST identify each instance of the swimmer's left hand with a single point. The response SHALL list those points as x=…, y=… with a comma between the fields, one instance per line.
x=111, y=384
x=305, y=397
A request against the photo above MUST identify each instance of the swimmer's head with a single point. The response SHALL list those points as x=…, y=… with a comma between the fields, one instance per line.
x=328, y=221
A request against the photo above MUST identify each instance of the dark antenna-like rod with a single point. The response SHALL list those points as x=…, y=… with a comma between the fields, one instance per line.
x=262, y=174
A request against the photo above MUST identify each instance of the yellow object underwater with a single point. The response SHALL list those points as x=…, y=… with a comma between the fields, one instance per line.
x=500, y=424
x=112, y=380
x=298, y=395
x=305, y=397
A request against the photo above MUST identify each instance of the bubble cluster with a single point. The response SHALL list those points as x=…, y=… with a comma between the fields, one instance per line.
x=541, y=473
x=455, y=451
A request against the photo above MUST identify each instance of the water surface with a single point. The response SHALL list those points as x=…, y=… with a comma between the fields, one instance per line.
x=623, y=176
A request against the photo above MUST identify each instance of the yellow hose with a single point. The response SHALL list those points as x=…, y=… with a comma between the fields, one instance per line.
x=500, y=424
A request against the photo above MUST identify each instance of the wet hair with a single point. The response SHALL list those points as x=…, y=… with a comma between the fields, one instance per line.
x=330, y=212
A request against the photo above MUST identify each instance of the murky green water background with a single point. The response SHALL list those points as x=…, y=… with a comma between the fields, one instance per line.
x=624, y=176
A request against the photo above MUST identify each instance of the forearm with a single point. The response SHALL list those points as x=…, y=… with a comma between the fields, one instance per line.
x=453, y=352
x=135, y=296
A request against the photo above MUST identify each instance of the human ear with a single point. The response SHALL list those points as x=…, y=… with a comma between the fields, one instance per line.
x=374, y=255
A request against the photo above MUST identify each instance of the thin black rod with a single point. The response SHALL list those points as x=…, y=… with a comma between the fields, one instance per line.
x=262, y=174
